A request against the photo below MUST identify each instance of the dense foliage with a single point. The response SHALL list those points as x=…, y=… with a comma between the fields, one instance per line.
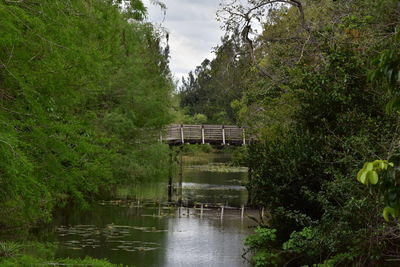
x=84, y=89
x=320, y=91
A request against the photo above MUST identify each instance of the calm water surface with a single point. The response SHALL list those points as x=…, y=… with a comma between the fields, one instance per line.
x=148, y=232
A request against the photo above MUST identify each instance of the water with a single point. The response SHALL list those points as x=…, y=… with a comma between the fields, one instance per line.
x=208, y=179
x=149, y=233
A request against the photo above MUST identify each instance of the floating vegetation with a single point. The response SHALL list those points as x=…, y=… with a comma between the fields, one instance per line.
x=130, y=203
x=144, y=228
x=131, y=246
x=80, y=230
x=198, y=186
x=90, y=236
x=217, y=167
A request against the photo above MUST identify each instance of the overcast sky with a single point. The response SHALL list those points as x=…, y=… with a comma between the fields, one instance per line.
x=193, y=30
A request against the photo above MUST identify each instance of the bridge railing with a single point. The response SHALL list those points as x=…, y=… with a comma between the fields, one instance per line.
x=214, y=134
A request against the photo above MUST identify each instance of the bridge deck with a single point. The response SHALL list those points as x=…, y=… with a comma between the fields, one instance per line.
x=202, y=134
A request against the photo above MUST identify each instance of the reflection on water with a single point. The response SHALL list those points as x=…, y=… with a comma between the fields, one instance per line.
x=143, y=233
x=194, y=242
x=213, y=181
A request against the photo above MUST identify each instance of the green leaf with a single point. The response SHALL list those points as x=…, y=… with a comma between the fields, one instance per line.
x=369, y=166
x=363, y=178
x=383, y=165
x=360, y=172
x=389, y=211
x=386, y=214
x=372, y=177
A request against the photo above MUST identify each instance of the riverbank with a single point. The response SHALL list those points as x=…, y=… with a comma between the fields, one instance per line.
x=15, y=254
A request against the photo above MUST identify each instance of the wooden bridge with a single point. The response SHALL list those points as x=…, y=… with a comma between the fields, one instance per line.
x=204, y=134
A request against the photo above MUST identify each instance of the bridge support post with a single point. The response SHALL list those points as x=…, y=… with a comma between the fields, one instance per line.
x=244, y=137
x=202, y=134
x=182, y=137
x=223, y=135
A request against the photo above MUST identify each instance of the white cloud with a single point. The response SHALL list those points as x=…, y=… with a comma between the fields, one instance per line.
x=193, y=30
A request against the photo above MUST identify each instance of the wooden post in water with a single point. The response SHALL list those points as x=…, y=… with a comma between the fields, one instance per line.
x=182, y=137
x=202, y=135
x=159, y=209
x=223, y=135
x=249, y=194
x=180, y=176
x=242, y=213
x=201, y=211
x=170, y=176
x=222, y=213
x=244, y=137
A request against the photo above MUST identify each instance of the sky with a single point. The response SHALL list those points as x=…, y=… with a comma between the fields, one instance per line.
x=193, y=31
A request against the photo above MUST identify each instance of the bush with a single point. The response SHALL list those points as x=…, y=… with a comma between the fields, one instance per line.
x=9, y=250
x=30, y=254
x=28, y=261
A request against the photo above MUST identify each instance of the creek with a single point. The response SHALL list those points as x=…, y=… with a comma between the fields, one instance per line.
x=140, y=229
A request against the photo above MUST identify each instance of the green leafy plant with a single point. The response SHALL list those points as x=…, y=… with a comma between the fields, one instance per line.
x=260, y=245
x=9, y=249
x=383, y=175
x=369, y=173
